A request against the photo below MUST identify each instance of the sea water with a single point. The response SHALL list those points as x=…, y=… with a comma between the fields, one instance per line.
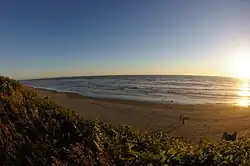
x=164, y=89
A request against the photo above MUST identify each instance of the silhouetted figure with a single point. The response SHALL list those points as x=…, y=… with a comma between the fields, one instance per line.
x=183, y=118
x=68, y=131
x=58, y=117
x=229, y=137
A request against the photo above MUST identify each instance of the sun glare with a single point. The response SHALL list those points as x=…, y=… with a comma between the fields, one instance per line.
x=244, y=94
x=241, y=65
x=243, y=102
x=242, y=68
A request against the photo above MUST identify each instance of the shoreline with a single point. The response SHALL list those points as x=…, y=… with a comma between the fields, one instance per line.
x=206, y=120
x=167, y=102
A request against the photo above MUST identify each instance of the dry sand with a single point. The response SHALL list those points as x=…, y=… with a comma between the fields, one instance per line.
x=206, y=120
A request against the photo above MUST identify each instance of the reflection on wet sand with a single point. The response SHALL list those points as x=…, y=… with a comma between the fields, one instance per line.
x=244, y=95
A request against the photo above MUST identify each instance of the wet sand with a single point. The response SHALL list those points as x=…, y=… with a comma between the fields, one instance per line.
x=205, y=120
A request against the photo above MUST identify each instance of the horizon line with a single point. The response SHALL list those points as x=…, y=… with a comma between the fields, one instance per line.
x=120, y=75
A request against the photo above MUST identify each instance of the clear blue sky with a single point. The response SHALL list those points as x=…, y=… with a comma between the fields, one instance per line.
x=50, y=38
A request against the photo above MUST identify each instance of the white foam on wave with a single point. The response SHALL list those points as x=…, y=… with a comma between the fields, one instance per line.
x=178, y=89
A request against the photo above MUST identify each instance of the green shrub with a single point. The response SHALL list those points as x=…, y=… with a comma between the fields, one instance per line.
x=34, y=129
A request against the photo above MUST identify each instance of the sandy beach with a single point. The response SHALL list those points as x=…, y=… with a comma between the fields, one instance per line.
x=205, y=120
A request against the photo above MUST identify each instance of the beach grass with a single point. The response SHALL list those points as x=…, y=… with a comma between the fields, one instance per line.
x=37, y=131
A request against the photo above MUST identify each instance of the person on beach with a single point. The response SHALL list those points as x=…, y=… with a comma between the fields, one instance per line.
x=182, y=119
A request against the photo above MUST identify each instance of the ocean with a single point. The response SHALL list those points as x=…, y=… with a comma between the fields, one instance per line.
x=164, y=89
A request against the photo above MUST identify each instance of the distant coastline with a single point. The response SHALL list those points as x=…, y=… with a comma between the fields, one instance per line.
x=89, y=76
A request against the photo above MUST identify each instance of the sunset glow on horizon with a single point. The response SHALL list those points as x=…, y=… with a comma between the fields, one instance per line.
x=126, y=37
x=241, y=64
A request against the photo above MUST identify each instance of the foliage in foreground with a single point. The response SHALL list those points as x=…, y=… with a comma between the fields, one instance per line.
x=36, y=131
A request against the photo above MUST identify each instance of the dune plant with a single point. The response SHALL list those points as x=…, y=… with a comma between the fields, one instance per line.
x=37, y=131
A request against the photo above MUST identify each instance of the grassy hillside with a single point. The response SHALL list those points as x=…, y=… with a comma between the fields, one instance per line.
x=37, y=131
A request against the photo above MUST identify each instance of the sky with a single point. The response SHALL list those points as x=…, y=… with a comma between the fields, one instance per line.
x=54, y=38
